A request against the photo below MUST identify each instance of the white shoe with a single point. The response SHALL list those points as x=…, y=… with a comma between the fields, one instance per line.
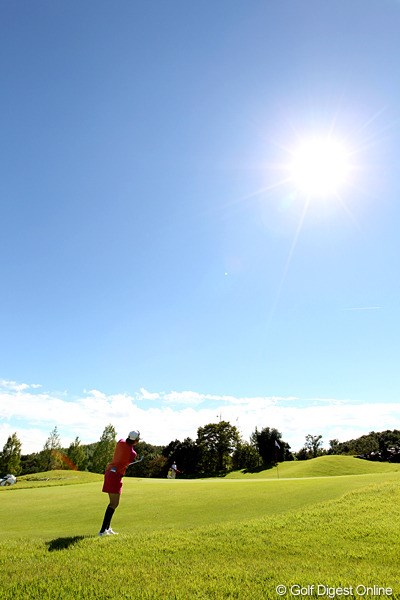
x=103, y=533
x=111, y=532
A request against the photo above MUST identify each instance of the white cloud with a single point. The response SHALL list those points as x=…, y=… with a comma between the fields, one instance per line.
x=165, y=416
x=183, y=398
x=189, y=398
x=146, y=395
x=13, y=386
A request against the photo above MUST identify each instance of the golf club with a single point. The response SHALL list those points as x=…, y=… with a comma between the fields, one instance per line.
x=135, y=462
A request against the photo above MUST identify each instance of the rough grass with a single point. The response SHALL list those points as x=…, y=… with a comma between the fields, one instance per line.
x=202, y=539
x=349, y=541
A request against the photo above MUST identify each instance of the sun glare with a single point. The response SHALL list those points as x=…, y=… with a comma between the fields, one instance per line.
x=320, y=167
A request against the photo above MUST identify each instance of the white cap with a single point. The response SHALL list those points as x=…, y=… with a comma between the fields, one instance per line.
x=134, y=435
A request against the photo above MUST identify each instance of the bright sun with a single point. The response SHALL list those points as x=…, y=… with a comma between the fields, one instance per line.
x=320, y=167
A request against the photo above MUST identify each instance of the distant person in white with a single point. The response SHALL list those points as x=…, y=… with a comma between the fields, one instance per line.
x=173, y=471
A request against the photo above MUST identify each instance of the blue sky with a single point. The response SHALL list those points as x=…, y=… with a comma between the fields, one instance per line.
x=159, y=267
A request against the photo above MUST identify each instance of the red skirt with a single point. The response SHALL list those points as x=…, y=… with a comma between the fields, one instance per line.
x=112, y=483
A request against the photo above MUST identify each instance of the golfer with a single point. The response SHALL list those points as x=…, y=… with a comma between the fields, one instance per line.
x=124, y=455
x=174, y=471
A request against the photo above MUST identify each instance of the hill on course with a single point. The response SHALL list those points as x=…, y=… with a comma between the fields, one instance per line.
x=323, y=466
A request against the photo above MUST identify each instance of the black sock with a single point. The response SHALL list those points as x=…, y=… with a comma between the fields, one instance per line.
x=107, y=519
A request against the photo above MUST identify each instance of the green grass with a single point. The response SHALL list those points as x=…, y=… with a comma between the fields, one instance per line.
x=54, y=478
x=323, y=466
x=229, y=538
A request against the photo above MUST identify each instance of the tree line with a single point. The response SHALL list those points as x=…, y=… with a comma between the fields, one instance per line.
x=383, y=445
x=217, y=450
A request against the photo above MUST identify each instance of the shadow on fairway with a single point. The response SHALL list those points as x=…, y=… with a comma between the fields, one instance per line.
x=265, y=467
x=64, y=543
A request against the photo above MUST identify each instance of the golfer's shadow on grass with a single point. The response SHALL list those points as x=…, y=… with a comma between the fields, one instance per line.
x=63, y=543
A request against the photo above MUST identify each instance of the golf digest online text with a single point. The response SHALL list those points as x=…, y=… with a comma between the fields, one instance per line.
x=359, y=591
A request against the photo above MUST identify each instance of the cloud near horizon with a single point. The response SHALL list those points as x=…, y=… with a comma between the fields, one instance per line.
x=165, y=416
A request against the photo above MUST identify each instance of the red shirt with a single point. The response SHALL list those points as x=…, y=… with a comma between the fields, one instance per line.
x=124, y=454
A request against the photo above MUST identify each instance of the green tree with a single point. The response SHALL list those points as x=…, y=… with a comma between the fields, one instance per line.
x=50, y=455
x=104, y=449
x=313, y=445
x=216, y=442
x=10, y=458
x=170, y=451
x=246, y=457
x=156, y=466
x=152, y=464
x=186, y=454
x=267, y=441
x=77, y=455
x=302, y=454
x=334, y=446
x=30, y=463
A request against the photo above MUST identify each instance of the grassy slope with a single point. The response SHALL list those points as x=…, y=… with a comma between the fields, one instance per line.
x=54, y=478
x=347, y=540
x=224, y=538
x=150, y=504
x=323, y=466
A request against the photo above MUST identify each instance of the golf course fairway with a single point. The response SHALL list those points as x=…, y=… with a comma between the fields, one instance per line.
x=236, y=537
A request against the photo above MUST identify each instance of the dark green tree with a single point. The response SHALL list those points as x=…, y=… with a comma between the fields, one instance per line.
x=77, y=455
x=186, y=455
x=334, y=446
x=171, y=450
x=216, y=443
x=50, y=455
x=10, y=457
x=302, y=454
x=156, y=466
x=104, y=449
x=246, y=456
x=152, y=464
x=30, y=463
x=267, y=441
